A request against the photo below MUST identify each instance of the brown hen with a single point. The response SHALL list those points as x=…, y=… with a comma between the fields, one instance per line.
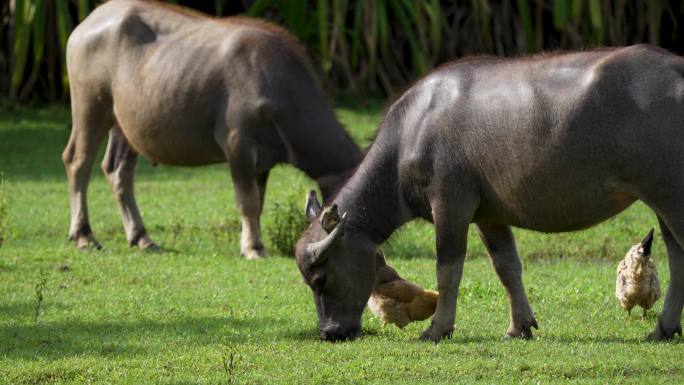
x=397, y=301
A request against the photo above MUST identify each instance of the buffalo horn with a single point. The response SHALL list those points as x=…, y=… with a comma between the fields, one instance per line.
x=316, y=250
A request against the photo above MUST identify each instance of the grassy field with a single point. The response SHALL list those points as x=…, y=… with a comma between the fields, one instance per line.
x=198, y=313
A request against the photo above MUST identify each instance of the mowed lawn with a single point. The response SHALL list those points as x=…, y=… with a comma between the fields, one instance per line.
x=198, y=313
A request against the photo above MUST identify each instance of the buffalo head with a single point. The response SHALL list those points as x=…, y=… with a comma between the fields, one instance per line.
x=338, y=264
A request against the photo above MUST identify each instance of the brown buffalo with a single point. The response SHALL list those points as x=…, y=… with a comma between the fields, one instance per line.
x=549, y=143
x=185, y=89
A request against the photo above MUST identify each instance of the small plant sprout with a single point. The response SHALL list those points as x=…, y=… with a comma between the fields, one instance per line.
x=229, y=362
x=39, y=289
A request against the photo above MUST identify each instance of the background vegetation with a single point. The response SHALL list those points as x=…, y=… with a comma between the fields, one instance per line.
x=364, y=46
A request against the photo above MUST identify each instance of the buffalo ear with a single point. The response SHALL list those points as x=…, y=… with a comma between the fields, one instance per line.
x=330, y=218
x=313, y=208
x=647, y=243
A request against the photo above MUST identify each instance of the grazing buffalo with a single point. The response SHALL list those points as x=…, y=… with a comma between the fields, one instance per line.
x=186, y=89
x=551, y=143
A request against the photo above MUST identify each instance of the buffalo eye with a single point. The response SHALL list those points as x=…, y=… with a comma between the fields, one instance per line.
x=319, y=282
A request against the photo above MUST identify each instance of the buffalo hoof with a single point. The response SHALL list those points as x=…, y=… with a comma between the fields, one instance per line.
x=524, y=330
x=253, y=253
x=86, y=242
x=88, y=246
x=436, y=333
x=146, y=244
x=662, y=334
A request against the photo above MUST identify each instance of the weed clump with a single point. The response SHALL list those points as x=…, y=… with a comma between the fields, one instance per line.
x=288, y=224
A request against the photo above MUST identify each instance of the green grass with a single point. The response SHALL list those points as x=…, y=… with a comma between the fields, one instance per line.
x=123, y=316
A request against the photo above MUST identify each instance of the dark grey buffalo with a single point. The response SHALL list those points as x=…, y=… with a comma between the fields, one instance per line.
x=185, y=89
x=551, y=143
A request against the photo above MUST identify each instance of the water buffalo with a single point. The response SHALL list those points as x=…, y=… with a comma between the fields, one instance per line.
x=186, y=89
x=551, y=143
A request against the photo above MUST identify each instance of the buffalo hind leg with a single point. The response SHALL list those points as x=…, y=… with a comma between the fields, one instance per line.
x=90, y=124
x=500, y=244
x=248, y=186
x=451, y=233
x=119, y=165
x=670, y=319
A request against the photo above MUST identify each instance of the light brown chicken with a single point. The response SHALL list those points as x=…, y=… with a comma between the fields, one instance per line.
x=397, y=301
x=637, y=277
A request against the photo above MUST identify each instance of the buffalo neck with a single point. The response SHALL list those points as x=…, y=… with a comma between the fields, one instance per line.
x=372, y=197
x=318, y=144
x=315, y=142
x=332, y=154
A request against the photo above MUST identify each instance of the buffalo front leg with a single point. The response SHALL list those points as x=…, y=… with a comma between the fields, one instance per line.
x=670, y=319
x=451, y=232
x=90, y=124
x=249, y=186
x=262, y=181
x=119, y=165
x=500, y=244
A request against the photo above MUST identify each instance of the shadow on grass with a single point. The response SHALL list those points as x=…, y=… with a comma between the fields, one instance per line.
x=312, y=334
x=613, y=340
x=121, y=338
x=566, y=339
x=32, y=141
x=307, y=334
x=489, y=338
x=33, y=153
